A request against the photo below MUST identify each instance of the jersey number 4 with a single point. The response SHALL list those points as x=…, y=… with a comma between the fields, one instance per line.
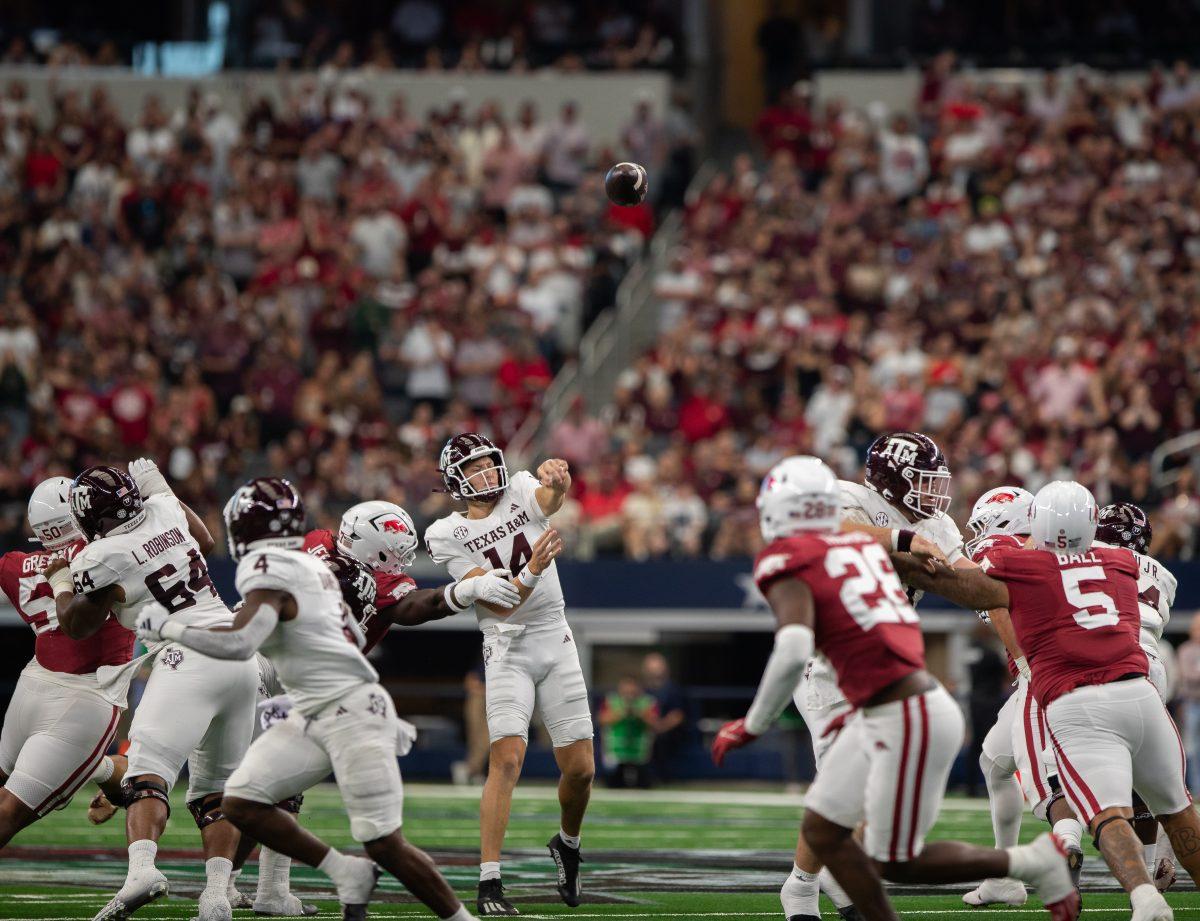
x=1086, y=602
x=521, y=553
x=871, y=591
x=180, y=594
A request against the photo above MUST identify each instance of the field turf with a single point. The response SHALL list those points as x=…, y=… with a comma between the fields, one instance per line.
x=668, y=854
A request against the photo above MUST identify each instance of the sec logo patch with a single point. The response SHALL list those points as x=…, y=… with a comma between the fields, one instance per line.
x=460, y=533
x=881, y=519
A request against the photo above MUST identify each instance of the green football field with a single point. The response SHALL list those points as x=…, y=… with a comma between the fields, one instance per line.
x=666, y=854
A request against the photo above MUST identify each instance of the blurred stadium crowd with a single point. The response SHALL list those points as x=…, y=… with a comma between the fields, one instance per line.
x=331, y=288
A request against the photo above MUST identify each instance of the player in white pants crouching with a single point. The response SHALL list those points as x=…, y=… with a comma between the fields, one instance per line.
x=341, y=721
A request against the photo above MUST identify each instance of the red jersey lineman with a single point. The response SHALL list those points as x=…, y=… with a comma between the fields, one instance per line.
x=62, y=718
x=1075, y=612
x=838, y=594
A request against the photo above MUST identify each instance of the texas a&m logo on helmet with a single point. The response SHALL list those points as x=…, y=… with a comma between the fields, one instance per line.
x=909, y=470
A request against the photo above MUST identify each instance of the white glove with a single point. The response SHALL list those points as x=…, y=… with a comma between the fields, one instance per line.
x=147, y=476
x=151, y=621
x=1023, y=669
x=492, y=587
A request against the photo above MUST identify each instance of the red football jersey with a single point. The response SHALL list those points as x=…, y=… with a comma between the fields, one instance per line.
x=1075, y=615
x=864, y=624
x=978, y=552
x=22, y=581
x=389, y=588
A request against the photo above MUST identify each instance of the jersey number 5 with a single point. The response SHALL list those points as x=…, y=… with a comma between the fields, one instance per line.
x=871, y=591
x=1083, y=601
x=521, y=554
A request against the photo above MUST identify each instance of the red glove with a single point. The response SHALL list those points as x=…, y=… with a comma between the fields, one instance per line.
x=732, y=735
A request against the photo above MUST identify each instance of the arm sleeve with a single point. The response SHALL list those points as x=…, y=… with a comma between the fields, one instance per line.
x=227, y=644
x=445, y=552
x=794, y=645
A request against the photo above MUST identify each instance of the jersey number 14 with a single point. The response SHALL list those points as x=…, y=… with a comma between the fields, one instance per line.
x=521, y=554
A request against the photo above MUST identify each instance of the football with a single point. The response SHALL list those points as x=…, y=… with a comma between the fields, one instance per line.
x=626, y=184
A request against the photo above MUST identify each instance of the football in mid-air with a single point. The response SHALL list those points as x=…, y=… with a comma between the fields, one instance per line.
x=626, y=184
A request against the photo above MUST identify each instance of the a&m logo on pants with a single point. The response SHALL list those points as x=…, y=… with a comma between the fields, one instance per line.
x=172, y=658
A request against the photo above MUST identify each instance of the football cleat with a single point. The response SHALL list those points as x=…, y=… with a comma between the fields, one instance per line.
x=997, y=892
x=1164, y=874
x=1075, y=863
x=355, y=894
x=1053, y=879
x=150, y=886
x=850, y=913
x=491, y=900
x=803, y=918
x=285, y=906
x=567, y=859
x=214, y=906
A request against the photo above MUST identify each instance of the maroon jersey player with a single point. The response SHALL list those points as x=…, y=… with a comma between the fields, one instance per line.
x=837, y=594
x=62, y=717
x=382, y=537
x=1075, y=612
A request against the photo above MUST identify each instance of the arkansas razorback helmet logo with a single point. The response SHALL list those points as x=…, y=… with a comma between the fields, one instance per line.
x=395, y=525
x=1002, y=497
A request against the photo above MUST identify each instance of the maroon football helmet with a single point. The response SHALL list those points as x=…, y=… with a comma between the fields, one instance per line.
x=266, y=508
x=103, y=499
x=460, y=451
x=357, y=584
x=1124, y=524
x=909, y=470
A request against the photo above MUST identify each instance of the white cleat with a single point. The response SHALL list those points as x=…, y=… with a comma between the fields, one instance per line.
x=997, y=892
x=237, y=898
x=149, y=886
x=283, y=906
x=355, y=886
x=214, y=906
x=1154, y=911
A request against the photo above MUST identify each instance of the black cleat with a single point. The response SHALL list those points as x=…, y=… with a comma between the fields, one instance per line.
x=567, y=859
x=803, y=918
x=850, y=913
x=1075, y=864
x=491, y=901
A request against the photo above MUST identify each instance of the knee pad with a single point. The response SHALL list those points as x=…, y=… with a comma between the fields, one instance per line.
x=134, y=790
x=1103, y=825
x=206, y=809
x=292, y=804
x=571, y=731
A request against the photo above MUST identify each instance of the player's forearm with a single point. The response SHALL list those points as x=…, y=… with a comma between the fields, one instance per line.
x=794, y=645
x=970, y=588
x=240, y=644
x=550, y=500
x=78, y=617
x=199, y=530
x=1003, y=626
x=419, y=606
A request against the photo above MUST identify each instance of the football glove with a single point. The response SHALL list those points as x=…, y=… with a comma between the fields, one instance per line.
x=492, y=588
x=732, y=735
x=147, y=476
x=151, y=621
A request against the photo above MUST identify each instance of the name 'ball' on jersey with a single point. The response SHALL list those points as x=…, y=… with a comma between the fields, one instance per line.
x=626, y=184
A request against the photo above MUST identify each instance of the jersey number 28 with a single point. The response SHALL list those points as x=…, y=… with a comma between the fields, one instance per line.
x=871, y=591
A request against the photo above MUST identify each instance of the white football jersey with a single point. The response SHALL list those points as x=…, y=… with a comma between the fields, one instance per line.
x=315, y=659
x=1156, y=597
x=154, y=558
x=502, y=540
x=862, y=505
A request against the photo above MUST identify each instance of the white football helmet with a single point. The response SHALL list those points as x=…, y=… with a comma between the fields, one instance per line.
x=799, y=494
x=1003, y=510
x=50, y=515
x=1063, y=517
x=380, y=535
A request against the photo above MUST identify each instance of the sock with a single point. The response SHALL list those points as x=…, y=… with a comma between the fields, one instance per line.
x=274, y=873
x=333, y=864
x=1164, y=850
x=461, y=915
x=569, y=840
x=218, y=870
x=833, y=889
x=1143, y=896
x=1070, y=830
x=489, y=869
x=801, y=894
x=1148, y=857
x=1023, y=863
x=231, y=889
x=104, y=770
x=1005, y=801
x=141, y=855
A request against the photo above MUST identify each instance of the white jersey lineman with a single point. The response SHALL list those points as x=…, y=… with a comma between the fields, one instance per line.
x=1156, y=596
x=341, y=721
x=194, y=708
x=529, y=657
x=818, y=698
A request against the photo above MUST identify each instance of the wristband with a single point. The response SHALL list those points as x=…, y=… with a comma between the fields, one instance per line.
x=902, y=540
x=61, y=582
x=530, y=579
x=451, y=603
x=172, y=630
